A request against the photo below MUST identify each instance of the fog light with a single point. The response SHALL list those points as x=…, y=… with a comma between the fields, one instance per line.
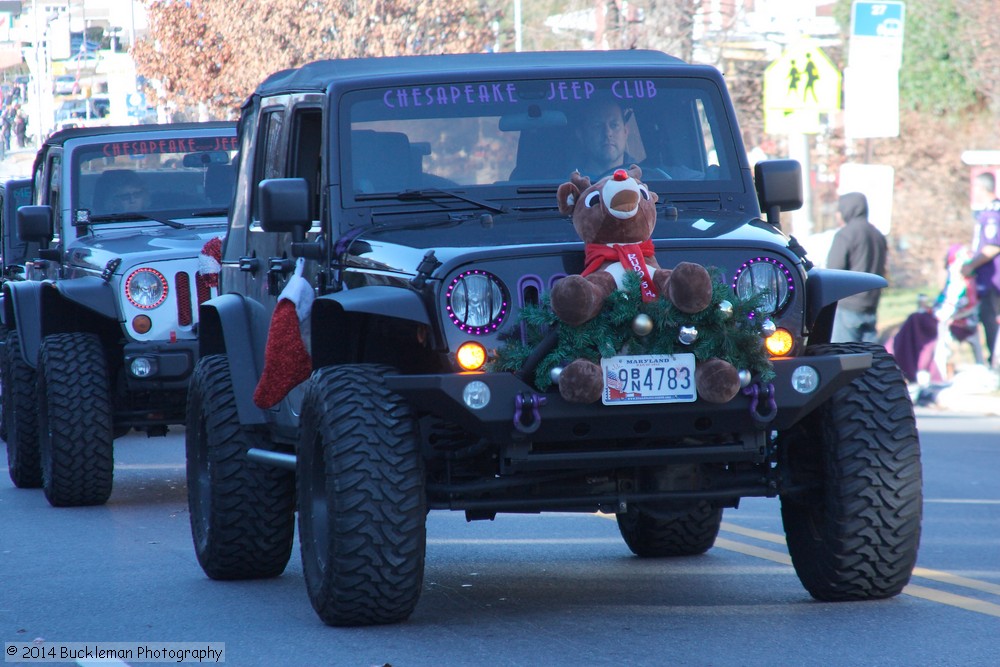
x=779, y=343
x=141, y=367
x=805, y=379
x=471, y=356
x=476, y=395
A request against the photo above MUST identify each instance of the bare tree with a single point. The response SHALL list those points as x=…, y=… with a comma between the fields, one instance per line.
x=212, y=52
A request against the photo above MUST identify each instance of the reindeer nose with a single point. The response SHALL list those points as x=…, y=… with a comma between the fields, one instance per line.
x=620, y=175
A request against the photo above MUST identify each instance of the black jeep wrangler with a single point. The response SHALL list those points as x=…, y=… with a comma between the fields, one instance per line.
x=102, y=276
x=418, y=198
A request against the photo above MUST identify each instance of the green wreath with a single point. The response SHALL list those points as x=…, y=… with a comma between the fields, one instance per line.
x=733, y=333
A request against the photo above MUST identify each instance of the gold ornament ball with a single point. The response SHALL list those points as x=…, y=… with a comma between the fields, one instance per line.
x=642, y=325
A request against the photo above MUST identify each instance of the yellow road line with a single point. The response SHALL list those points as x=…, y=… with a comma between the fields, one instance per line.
x=913, y=590
x=950, y=599
x=956, y=580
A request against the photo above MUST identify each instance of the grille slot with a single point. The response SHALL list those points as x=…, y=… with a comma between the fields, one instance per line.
x=183, y=284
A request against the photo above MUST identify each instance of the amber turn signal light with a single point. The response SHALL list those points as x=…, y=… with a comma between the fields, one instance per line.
x=142, y=324
x=779, y=343
x=471, y=356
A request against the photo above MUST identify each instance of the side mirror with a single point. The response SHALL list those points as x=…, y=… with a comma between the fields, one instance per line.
x=779, y=188
x=284, y=206
x=34, y=224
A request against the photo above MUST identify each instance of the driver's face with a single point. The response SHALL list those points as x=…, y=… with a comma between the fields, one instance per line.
x=605, y=136
x=128, y=200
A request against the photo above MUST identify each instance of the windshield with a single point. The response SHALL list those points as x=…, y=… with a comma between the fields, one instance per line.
x=524, y=133
x=175, y=177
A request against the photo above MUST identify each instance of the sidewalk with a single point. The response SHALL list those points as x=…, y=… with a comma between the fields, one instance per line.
x=974, y=390
x=17, y=163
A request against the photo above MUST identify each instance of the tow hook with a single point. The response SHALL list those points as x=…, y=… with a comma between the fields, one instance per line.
x=526, y=416
x=761, y=394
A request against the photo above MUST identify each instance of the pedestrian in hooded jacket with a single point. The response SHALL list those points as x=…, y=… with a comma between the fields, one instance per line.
x=857, y=246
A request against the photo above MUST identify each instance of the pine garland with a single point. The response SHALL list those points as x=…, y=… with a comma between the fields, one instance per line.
x=737, y=339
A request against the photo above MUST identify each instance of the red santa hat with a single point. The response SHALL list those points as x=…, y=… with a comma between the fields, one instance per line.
x=287, y=362
x=210, y=262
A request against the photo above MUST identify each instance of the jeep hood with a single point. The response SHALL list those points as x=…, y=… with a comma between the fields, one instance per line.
x=145, y=245
x=401, y=252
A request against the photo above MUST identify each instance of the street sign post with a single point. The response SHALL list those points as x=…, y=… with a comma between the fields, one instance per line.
x=876, y=34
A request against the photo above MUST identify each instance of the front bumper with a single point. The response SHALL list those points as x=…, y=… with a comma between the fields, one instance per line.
x=554, y=419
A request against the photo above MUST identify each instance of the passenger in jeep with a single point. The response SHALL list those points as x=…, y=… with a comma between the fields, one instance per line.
x=120, y=191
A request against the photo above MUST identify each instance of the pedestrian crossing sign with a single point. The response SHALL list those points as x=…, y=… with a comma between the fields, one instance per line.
x=802, y=79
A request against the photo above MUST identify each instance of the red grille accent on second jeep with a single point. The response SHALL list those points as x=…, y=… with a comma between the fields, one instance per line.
x=204, y=289
x=183, y=283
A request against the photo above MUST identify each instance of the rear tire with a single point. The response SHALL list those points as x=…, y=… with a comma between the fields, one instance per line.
x=669, y=532
x=362, y=505
x=856, y=535
x=242, y=512
x=20, y=417
x=74, y=415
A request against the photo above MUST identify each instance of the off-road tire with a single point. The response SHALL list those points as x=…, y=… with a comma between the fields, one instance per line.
x=74, y=419
x=242, y=512
x=362, y=504
x=855, y=535
x=663, y=532
x=20, y=417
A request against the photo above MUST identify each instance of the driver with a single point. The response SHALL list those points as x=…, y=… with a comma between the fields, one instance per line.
x=120, y=191
x=603, y=137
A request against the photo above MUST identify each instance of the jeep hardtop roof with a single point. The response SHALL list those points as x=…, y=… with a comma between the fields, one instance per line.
x=316, y=76
x=62, y=136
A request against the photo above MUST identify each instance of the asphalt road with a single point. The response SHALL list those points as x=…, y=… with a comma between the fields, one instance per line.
x=522, y=590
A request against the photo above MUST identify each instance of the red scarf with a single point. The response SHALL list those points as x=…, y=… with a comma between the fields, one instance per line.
x=630, y=255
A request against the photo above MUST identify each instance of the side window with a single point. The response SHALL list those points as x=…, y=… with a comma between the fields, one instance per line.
x=55, y=194
x=306, y=150
x=270, y=155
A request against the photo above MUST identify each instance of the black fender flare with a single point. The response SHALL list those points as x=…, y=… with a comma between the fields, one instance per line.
x=236, y=326
x=22, y=312
x=827, y=286
x=380, y=300
x=36, y=309
x=335, y=317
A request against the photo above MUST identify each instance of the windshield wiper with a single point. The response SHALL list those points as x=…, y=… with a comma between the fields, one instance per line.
x=119, y=217
x=430, y=193
x=210, y=212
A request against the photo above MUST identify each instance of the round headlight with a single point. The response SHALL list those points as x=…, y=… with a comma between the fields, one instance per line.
x=477, y=302
x=146, y=288
x=766, y=276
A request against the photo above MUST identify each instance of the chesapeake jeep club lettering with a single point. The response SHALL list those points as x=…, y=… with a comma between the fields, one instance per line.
x=185, y=145
x=506, y=93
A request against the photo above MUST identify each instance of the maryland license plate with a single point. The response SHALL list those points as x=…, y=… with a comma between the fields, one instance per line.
x=649, y=378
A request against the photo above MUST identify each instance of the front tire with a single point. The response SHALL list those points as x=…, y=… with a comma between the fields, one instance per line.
x=855, y=536
x=669, y=532
x=242, y=512
x=75, y=415
x=362, y=504
x=20, y=417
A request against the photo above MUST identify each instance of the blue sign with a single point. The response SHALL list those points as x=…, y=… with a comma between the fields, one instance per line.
x=877, y=19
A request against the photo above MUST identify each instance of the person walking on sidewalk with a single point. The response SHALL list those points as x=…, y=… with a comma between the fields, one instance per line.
x=985, y=262
x=21, y=129
x=857, y=246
